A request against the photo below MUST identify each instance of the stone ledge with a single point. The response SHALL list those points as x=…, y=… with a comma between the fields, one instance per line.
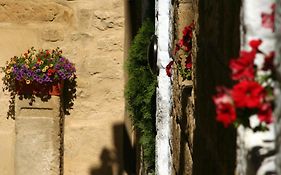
x=38, y=108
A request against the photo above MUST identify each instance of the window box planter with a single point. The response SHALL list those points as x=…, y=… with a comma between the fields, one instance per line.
x=34, y=88
x=39, y=73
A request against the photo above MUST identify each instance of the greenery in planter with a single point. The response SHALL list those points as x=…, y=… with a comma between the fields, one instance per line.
x=37, y=73
x=140, y=92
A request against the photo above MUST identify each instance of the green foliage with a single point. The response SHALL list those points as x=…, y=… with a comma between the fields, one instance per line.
x=140, y=92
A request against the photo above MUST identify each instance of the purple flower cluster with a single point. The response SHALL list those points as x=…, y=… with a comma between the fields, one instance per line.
x=44, y=66
x=65, y=68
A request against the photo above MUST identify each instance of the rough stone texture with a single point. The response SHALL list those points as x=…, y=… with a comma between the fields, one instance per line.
x=38, y=138
x=34, y=11
x=183, y=128
x=91, y=34
x=217, y=30
x=200, y=145
x=183, y=124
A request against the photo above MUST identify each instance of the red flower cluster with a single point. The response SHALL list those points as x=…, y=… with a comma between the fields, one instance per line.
x=247, y=94
x=243, y=67
x=184, y=45
x=186, y=41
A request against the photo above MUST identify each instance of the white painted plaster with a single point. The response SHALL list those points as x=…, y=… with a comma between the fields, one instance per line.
x=247, y=139
x=164, y=102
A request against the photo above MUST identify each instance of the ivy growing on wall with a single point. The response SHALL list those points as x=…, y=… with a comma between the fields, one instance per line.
x=140, y=92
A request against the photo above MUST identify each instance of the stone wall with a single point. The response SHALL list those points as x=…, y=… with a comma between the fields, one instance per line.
x=183, y=123
x=91, y=34
x=200, y=144
x=196, y=134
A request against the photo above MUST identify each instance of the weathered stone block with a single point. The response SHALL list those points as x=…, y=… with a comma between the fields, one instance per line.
x=185, y=16
x=32, y=11
x=53, y=33
x=38, y=137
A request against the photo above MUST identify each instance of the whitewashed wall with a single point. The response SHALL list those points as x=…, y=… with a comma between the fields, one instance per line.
x=164, y=103
x=255, y=152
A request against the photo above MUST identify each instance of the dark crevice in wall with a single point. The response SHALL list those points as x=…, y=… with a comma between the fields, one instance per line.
x=218, y=39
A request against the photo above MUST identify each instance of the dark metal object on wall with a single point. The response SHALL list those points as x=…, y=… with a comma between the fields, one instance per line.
x=152, y=54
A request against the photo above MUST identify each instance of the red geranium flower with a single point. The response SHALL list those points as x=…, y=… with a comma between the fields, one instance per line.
x=243, y=67
x=169, y=69
x=185, y=43
x=226, y=114
x=51, y=72
x=186, y=40
x=265, y=113
x=188, y=62
x=248, y=94
x=224, y=106
x=255, y=44
x=181, y=43
x=187, y=31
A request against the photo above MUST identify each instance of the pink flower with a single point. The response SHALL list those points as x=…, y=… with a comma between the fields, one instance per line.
x=248, y=94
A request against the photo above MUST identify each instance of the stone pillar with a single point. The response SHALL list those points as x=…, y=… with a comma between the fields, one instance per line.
x=38, y=137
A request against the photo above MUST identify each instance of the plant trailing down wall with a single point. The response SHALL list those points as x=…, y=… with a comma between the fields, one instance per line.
x=140, y=92
x=40, y=73
x=250, y=102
